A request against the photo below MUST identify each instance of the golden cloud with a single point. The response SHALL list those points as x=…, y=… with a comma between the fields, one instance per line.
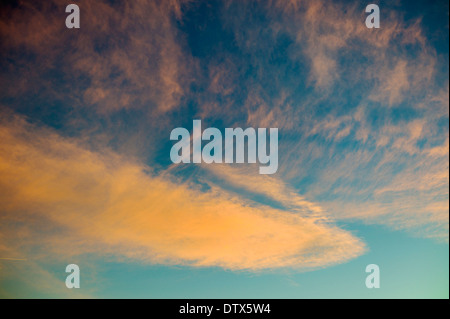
x=60, y=197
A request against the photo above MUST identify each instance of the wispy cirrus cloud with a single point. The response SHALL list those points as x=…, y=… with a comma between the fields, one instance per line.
x=364, y=134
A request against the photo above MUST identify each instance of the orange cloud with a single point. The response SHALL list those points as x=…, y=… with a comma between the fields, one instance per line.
x=61, y=199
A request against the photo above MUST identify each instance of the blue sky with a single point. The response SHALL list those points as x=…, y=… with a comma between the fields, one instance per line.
x=86, y=175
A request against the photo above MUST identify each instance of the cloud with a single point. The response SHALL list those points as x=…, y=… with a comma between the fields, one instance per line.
x=364, y=134
x=397, y=179
x=273, y=188
x=359, y=111
x=128, y=57
x=32, y=280
x=61, y=199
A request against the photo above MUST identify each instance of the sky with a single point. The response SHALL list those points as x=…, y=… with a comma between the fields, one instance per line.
x=86, y=176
